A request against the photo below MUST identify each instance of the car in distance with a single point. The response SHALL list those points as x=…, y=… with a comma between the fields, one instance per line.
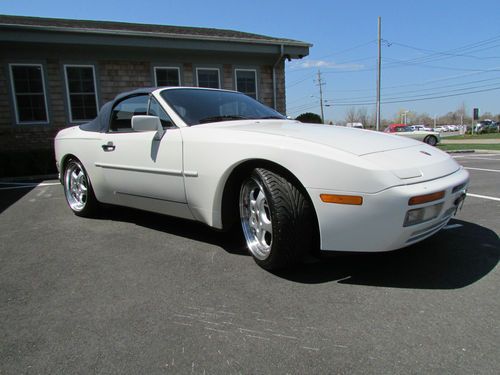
x=430, y=137
x=224, y=159
x=486, y=126
x=355, y=125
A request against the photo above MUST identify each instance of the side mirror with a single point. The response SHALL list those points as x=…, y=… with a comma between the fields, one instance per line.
x=141, y=123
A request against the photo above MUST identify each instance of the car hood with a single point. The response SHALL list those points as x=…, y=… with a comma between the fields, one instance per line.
x=410, y=160
x=355, y=141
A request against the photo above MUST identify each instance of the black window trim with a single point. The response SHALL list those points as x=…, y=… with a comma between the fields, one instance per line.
x=14, y=98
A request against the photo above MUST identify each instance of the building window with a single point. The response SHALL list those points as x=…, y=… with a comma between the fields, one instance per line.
x=208, y=77
x=28, y=88
x=167, y=76
x=81, y=91
x=246, y=82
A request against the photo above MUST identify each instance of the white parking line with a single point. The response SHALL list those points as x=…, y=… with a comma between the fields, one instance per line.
x=483, y=197
x=483, y=169
x=27, y=185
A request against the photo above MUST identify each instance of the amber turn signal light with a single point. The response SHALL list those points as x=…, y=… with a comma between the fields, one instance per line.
x=342, y=199
x=419, y=199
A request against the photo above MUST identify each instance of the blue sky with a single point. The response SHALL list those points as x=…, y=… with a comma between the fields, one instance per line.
x=431, y=48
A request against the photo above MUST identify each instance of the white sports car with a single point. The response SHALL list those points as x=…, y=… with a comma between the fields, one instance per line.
x=428, y=136
x=220, y=157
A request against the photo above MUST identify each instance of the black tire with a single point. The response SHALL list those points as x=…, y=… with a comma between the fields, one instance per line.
x=290, y=214
x=431, y=140
x=78, y=189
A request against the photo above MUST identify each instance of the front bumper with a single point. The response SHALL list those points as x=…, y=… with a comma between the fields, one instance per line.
x=377, y=224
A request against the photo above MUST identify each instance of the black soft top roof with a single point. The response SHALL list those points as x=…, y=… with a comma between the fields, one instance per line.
x=101, y=122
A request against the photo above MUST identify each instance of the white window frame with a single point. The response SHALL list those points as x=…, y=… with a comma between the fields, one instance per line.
x=14, y=96
x=155, y=68
x=256, y=82
x=201, y=68
x=68, y=97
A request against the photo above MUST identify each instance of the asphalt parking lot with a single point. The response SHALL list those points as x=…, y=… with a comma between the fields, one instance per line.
x=139, y=293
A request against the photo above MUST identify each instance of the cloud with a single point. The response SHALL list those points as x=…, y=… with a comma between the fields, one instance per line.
x=326, y=64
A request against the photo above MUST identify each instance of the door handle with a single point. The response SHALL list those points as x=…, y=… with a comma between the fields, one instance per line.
x=108, y=147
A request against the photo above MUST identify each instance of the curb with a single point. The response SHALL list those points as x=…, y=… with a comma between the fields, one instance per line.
x=461, y=151
x=471, y=151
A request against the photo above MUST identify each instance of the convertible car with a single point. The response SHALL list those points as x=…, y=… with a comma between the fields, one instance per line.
x=427, y=136
x=223, y=158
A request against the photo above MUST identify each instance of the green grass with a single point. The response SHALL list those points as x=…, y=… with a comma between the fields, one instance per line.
x=469, y=146
x=475, y=136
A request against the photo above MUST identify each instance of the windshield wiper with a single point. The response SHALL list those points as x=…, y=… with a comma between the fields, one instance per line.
x=220, y=118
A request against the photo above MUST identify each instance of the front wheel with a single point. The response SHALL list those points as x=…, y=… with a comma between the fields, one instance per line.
x=277, y=219
x=431, y=140
x=78, y=190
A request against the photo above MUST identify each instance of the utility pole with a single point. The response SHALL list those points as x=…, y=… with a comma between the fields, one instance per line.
x=379, y=64
x=321, y=84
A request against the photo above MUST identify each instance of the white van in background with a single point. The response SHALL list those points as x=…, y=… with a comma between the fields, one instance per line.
x=357, y=125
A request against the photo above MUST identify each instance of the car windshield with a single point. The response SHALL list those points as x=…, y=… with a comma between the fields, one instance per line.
x=401, y=129
x=199, y=106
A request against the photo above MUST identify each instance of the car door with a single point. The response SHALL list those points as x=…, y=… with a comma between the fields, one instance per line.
x=138, y=170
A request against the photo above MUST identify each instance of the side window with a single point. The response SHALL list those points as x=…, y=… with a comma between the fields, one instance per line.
x=155, y=109
x=121, y=115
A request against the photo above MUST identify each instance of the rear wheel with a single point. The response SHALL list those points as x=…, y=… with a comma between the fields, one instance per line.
x=78, y=190
x=431, y=140
x=277, y=219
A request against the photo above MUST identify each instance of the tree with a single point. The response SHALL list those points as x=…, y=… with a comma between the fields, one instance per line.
x=362, y=116
x=309, y=117
x=351, y=115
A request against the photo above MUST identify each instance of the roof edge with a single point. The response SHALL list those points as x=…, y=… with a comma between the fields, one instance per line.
x=152, y=34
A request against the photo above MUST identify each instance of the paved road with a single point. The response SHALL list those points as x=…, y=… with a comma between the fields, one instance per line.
x=133, y=292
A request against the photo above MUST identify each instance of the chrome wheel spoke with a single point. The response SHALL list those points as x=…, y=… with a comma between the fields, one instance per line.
x=256, y=219
x=76, y=189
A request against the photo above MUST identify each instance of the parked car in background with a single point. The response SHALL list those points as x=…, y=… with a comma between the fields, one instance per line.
x=224, y=159
x=486, y=126
x=440, y=129
x=356, y=125
x=452, y=128
x=430, y=137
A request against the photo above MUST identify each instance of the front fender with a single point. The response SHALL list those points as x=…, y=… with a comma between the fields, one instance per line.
x=210, y=156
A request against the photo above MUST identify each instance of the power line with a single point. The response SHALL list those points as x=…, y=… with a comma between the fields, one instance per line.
x=422, y=90
x=415, y=100
x=348, y=49
x=448, y=53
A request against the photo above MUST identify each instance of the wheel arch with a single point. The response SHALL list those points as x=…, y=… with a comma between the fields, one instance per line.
x=64, y=161
x=228, y=202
